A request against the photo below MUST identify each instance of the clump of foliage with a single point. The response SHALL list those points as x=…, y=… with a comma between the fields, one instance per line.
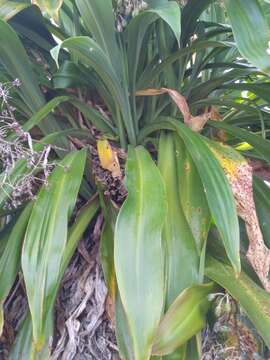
x=155, y=112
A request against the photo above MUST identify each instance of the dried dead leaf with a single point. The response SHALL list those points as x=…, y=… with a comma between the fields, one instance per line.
x=239, y=174
x=196, y=123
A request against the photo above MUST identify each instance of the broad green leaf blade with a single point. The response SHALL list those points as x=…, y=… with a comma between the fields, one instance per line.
x=192, y=195
x=253, y=299
x=71, y=75
x=261, y=193
x=217, y=191
x=23, y=347
x=8, y=9
x=216, y=186
x=123, y=336
x=181, y=256
x=46, y=238
x=10, y=259
x=170, y=12
x=251, y=31
x=50, y=7
x=184, y=319
x=260, y=145
x=138, y=253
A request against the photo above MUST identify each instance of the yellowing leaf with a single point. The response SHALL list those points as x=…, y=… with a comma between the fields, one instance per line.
x=108, y=158
x=50, y=7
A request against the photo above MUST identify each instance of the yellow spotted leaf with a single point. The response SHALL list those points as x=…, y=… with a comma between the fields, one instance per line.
x=108, y=158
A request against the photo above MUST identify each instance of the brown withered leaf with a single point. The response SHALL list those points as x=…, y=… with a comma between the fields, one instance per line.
x=196, y=123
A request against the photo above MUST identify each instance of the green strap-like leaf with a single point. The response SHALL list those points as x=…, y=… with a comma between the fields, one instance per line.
x=88, y=51
x=251, y=31
x=217, y=190
x=23, y=347
x=254, y=300
x=98, y=19
x=192, y=195
x=46, y=238
x=138, y=254
x=184, y=319
x=216, y=186
x=43, y=112
x=181, y=256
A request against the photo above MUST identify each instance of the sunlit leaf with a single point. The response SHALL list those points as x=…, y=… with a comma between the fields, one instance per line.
x=139, y=259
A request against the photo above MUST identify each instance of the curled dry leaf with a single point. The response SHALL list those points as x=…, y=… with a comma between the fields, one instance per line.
x=196, y=123
x=239, y=174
